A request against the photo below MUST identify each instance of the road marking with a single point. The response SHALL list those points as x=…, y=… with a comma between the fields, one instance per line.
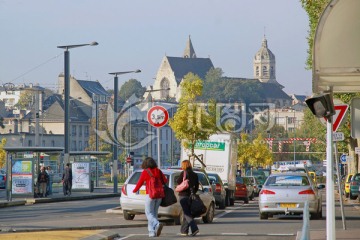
x=220, y=215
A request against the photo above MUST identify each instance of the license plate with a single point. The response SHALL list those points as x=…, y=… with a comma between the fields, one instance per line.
x=288, y=205
x=142, y=192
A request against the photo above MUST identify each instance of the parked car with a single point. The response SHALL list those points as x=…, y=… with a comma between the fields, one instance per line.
x=346, y=185
x=2, y=181
x=354, y=186
x=286, y=193
x=219, y=192
x=255, y=184
x=134, y=203
x=243, y=190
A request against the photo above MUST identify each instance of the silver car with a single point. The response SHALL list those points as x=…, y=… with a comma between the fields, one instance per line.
x=286, y=193
x=134, y=203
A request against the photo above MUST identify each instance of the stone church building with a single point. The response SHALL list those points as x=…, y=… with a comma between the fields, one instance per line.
x=173, y=69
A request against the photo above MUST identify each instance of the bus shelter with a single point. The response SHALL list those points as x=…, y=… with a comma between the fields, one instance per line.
x=23, y=165
x=85, y=169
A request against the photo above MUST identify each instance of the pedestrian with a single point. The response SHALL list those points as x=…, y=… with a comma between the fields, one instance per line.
x=151, y=204
x=184, y=199
x=43, y=180
x=67, y=180
x=49, y=186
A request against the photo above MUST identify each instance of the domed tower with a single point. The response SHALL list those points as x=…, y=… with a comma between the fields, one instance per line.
x=264, y=64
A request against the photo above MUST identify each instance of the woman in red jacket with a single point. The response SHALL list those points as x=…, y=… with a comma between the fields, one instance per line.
x=151, y=204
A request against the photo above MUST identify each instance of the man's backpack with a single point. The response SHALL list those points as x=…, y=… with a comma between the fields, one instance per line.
x=156, y=186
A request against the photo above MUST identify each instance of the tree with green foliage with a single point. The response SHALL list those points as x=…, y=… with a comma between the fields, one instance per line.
x=2, y=153
x=224, y=89
x=314, y=9
x=131, y=87
x=192, y=121
x=255, y=153
x=25, y=100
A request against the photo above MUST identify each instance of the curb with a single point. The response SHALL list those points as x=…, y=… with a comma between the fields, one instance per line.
x=57, y=199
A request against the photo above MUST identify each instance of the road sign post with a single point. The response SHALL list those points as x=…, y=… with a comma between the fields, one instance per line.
x=158, y=116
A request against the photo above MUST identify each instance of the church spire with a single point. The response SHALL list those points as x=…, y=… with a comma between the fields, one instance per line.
x=189, y=51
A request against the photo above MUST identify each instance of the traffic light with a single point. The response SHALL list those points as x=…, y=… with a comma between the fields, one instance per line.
x=321, y=105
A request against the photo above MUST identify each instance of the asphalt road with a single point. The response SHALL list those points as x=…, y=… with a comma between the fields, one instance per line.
x=236, y=222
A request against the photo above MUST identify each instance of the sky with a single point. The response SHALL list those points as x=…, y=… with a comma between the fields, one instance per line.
x=137, y=34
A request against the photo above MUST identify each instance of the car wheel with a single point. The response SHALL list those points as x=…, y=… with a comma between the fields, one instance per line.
x=208, y=218
x=252, y=196
x=222, y=204
x=246, y=200
x=352, y=197
x=264, y=216
x=128, y=216
x=179, y=220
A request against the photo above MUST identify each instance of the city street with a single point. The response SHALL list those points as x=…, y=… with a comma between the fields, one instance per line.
x=240, y=221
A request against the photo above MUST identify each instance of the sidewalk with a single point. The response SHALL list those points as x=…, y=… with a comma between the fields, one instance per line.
x=58, y=196
x=351, y=233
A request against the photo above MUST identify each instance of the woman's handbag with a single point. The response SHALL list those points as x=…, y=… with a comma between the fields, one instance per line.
x=184, y=185
x=169, y=198
x=197, y=206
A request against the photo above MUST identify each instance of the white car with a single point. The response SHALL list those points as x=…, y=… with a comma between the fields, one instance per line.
x=134, y=203
x=286, y=193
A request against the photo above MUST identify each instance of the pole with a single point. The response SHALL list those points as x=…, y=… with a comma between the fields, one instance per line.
x=294, y=141
x=115, y=147
x=97, y=142
x=330, y=200
x=96, y=125
x=339, y=186
x=37, y=124
x=66, y=103
x=158, y=147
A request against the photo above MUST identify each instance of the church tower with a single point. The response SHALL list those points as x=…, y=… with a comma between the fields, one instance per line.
x=264, y=64
x=189, y=51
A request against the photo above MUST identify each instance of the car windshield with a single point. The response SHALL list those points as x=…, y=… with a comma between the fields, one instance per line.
x=135, y=178
x=356, y=177
x=288, y=180
x=239, y=180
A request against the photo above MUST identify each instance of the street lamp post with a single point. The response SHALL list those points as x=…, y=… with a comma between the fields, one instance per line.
x=67, y=93
x=115, y=144
x=294, y=140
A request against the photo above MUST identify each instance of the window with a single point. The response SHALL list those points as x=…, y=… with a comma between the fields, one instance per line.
x=80, y=131
x=43, y=143
x=73, y=130
x=164, y=85
x=73, y=145
x=30, y=143
x=52, y=143
x=86, y=131
x=257, y=71
x=265, y=71
x=80, y=146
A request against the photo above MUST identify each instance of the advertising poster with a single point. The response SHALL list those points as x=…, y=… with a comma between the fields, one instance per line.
x=81, y=175
x=21, y=174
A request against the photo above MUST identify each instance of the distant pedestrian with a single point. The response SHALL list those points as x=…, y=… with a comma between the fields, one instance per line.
x=43, y=180
x=67, y=180
x=184, y=199
x=49, y=185
x=151, y=204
